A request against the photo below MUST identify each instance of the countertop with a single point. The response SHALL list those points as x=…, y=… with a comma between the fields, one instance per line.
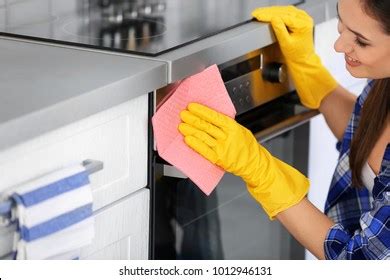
x=41, y=83
x=45, y=86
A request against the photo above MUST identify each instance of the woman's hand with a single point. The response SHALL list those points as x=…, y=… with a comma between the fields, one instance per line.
x=294, y=30
x=221, y=140
x=224, y=142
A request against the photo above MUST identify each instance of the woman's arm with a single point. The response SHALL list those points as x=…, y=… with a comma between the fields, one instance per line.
x=337, y=108
x=303, y=220
x=308, y=225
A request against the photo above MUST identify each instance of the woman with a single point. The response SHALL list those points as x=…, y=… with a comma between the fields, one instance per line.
x=357, y=224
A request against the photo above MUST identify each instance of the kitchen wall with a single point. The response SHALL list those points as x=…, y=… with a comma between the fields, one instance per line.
x=320, y=10
x=27, y=14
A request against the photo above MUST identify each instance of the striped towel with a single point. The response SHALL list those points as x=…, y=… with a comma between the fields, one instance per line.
x=53, y=214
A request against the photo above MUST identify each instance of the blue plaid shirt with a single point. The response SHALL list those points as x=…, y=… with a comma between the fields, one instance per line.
x=362, y=229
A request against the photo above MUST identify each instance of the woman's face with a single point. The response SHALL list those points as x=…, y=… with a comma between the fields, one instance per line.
x=363, y=41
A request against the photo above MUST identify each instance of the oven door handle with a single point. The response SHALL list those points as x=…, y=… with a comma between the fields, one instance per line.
x=285, y=125
x=304, y=115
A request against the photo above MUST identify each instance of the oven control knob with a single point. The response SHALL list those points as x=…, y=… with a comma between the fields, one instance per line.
x=275, y=72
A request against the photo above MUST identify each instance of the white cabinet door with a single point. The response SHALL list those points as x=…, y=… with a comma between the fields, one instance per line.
x=122, y=230
x=120, y=250
x=118, y=137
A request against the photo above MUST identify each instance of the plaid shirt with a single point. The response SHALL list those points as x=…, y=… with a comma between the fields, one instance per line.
x=362, y=229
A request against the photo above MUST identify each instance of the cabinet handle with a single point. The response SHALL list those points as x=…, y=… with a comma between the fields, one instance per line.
x=91, y=166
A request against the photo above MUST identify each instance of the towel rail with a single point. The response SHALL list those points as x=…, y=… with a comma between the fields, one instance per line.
x=91, y=166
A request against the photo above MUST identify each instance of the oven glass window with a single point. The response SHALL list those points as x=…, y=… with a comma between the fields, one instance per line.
x=228, y=224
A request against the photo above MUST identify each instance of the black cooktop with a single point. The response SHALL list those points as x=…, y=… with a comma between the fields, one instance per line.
x=147, y=27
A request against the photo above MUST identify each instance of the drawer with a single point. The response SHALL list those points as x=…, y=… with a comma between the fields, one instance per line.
x=118, y=137
x=121, y=231
x=120, y=250
x=6, y=241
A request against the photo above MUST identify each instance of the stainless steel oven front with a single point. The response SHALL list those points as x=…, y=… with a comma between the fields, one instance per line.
x=229, y=224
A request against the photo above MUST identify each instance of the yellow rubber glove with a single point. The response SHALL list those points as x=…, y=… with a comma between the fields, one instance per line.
x=220, y=139
x=294, y=30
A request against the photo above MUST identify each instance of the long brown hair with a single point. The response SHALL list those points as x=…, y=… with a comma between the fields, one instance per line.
x=376, y=109
x=372, y=123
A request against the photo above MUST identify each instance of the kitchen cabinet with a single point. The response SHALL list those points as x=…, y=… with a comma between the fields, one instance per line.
x=61, y=105
x=118, y=137
x=122, y=230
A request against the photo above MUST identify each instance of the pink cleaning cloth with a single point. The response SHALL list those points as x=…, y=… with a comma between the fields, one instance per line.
x=206, y=88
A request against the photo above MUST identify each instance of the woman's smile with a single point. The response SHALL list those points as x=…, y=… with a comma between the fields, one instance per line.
x=352, y=62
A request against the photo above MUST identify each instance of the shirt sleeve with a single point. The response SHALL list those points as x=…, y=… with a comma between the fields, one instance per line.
x=371, y=241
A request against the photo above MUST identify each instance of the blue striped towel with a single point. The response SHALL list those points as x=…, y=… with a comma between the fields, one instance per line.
x=53, y=214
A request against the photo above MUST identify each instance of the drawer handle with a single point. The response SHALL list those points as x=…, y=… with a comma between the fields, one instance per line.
x=91, y=166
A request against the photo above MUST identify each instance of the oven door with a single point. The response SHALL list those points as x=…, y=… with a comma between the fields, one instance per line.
x=230, y=224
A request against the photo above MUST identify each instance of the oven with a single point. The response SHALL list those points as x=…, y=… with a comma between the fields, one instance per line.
x=190, y=35
x=229, y=224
